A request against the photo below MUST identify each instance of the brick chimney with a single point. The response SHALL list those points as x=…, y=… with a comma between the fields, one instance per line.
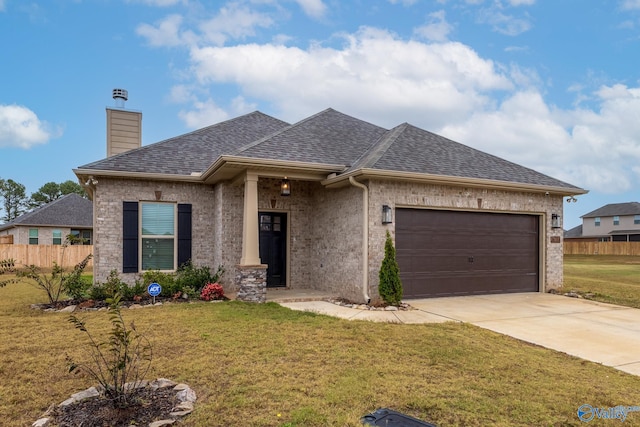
x=124, y=127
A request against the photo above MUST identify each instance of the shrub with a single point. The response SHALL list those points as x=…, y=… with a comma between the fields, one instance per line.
x=390, y=287
x=166, y=280
x=77, y=286
x=7, y=265
x=124, y=357
x=212, y=291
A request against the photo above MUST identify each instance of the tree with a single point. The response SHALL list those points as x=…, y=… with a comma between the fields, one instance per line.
x=390, y=286
x=52, y=191
x=14, y=199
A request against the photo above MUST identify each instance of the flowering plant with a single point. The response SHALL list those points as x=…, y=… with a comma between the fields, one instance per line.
x=212, y=291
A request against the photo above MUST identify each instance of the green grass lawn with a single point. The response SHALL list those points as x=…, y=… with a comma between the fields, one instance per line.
x=265, y=365
x=611, y=279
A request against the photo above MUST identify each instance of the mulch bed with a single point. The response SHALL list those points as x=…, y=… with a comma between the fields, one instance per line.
x=150, y=405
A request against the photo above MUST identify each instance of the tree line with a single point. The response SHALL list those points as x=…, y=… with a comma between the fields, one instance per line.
x=14, y=200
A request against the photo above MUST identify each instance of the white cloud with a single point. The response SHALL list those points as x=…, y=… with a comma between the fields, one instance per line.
x=233, y=21
x=630, y=4
x=504, y=24
x=437, y=29
x=20, y=127
x=203, y=114
x=2, y=5
x=521, y=2
x=313, y=8
x=166, y=33
x=405, y=2
x=374, y=72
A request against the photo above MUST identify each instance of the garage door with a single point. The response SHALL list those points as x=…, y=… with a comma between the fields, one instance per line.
x=448, y=253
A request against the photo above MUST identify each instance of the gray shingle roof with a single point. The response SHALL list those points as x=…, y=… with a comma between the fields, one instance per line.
x=613, y=209
x=70, y=210
x=407, y=148
x=195, y=151
x=329, y=137
x=575, y=232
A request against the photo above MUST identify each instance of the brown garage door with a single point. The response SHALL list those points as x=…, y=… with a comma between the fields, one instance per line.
x=446, y=253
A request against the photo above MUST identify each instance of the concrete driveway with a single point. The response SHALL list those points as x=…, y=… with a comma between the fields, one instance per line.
x=602, y=333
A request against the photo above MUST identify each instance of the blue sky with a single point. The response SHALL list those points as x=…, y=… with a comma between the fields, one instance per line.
x=552, y=85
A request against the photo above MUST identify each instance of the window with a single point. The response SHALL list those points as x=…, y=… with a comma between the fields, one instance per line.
x=134, y=240
x=158, y=236
x=57, y=237
x=597, y=221
x=616, y=220
x=33, y=236
x=81, y=237
x=636, y=219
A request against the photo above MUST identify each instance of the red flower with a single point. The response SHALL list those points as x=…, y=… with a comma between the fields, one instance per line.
x=212, y=291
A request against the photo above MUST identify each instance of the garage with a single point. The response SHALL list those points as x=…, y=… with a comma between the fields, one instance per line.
x=451, y=253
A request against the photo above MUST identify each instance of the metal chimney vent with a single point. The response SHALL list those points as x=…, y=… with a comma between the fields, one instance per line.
x=120, y=96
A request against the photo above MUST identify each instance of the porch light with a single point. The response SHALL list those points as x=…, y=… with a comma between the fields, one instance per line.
x=556, y=221
x=386, y=214
x=285, y=187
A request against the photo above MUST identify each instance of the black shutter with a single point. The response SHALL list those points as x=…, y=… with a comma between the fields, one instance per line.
x=129, y=237
x=184, y=233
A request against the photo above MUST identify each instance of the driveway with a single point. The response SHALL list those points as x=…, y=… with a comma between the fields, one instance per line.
x=602, y=333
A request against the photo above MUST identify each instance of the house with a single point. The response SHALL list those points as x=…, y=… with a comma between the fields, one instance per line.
x=50, y=224
x=616, y=222
x=307, y=206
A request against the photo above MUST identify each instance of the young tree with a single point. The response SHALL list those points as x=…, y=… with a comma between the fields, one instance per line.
x=390, y=287
x=14, y=199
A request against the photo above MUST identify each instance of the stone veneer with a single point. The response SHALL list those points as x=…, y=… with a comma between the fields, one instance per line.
x=251, y=282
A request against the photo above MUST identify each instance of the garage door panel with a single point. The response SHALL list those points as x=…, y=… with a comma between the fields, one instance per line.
x=444, y=253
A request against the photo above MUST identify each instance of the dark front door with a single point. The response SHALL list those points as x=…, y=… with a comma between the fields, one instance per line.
x=447, y=253
x=273, y=247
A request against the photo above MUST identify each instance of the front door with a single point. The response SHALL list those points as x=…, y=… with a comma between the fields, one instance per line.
x=273, y=247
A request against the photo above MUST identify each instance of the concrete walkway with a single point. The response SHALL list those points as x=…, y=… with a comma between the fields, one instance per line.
x=598, y=332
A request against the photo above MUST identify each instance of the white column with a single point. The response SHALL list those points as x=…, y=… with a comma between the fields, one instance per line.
x=250, y=236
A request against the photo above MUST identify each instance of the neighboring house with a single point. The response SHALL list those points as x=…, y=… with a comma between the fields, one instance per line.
x=616, y=222
x=307, y=205
x=50, y=224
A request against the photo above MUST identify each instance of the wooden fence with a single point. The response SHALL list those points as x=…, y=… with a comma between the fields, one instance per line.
x=44, y=255
x=602, y=248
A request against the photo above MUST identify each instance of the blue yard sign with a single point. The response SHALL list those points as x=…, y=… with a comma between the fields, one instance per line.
x=154, y=289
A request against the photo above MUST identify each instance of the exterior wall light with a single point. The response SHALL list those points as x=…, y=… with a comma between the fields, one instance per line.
x=386, y=214
x=285, y=187
x=556, y=221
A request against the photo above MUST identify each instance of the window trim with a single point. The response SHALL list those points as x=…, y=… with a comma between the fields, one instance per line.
x=636, y=219
x=616, y=220
x=596, y=221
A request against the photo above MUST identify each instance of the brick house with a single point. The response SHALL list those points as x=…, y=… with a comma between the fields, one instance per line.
x=50, y=224
x=615, y=222
x=307, y=205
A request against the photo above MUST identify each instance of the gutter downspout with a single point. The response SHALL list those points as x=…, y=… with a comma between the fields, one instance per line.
x=365, y=238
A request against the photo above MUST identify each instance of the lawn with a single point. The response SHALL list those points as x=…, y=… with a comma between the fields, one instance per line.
x=265, y=365
x=611, y=279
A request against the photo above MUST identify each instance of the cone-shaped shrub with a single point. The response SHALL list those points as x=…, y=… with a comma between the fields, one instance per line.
x=390, y=287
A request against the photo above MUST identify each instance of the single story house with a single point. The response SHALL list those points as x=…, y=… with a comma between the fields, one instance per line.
x=307, y=206
x=51, y=223
x=615, y=222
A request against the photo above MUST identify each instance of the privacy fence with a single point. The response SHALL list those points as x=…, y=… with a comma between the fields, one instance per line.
x=602, y=248
x=44, y=255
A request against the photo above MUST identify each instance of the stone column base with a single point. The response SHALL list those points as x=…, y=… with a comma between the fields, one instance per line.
x=251, y=282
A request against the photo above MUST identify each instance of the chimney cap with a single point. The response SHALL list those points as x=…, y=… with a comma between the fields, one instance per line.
x=120, y=94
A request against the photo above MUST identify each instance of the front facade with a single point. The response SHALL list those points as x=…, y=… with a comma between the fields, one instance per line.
x=51, y=223
x=464, y=222
x=616, y=222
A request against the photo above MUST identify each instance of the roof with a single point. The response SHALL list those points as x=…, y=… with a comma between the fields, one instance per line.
x=329, y=138
x=70, y=210
x=195, y=151
x=573, y=233
x=615, y=209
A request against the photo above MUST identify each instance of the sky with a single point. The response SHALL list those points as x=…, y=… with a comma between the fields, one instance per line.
x=551, y=85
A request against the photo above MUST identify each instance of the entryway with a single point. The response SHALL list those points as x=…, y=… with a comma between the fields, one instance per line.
x=273, y=247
